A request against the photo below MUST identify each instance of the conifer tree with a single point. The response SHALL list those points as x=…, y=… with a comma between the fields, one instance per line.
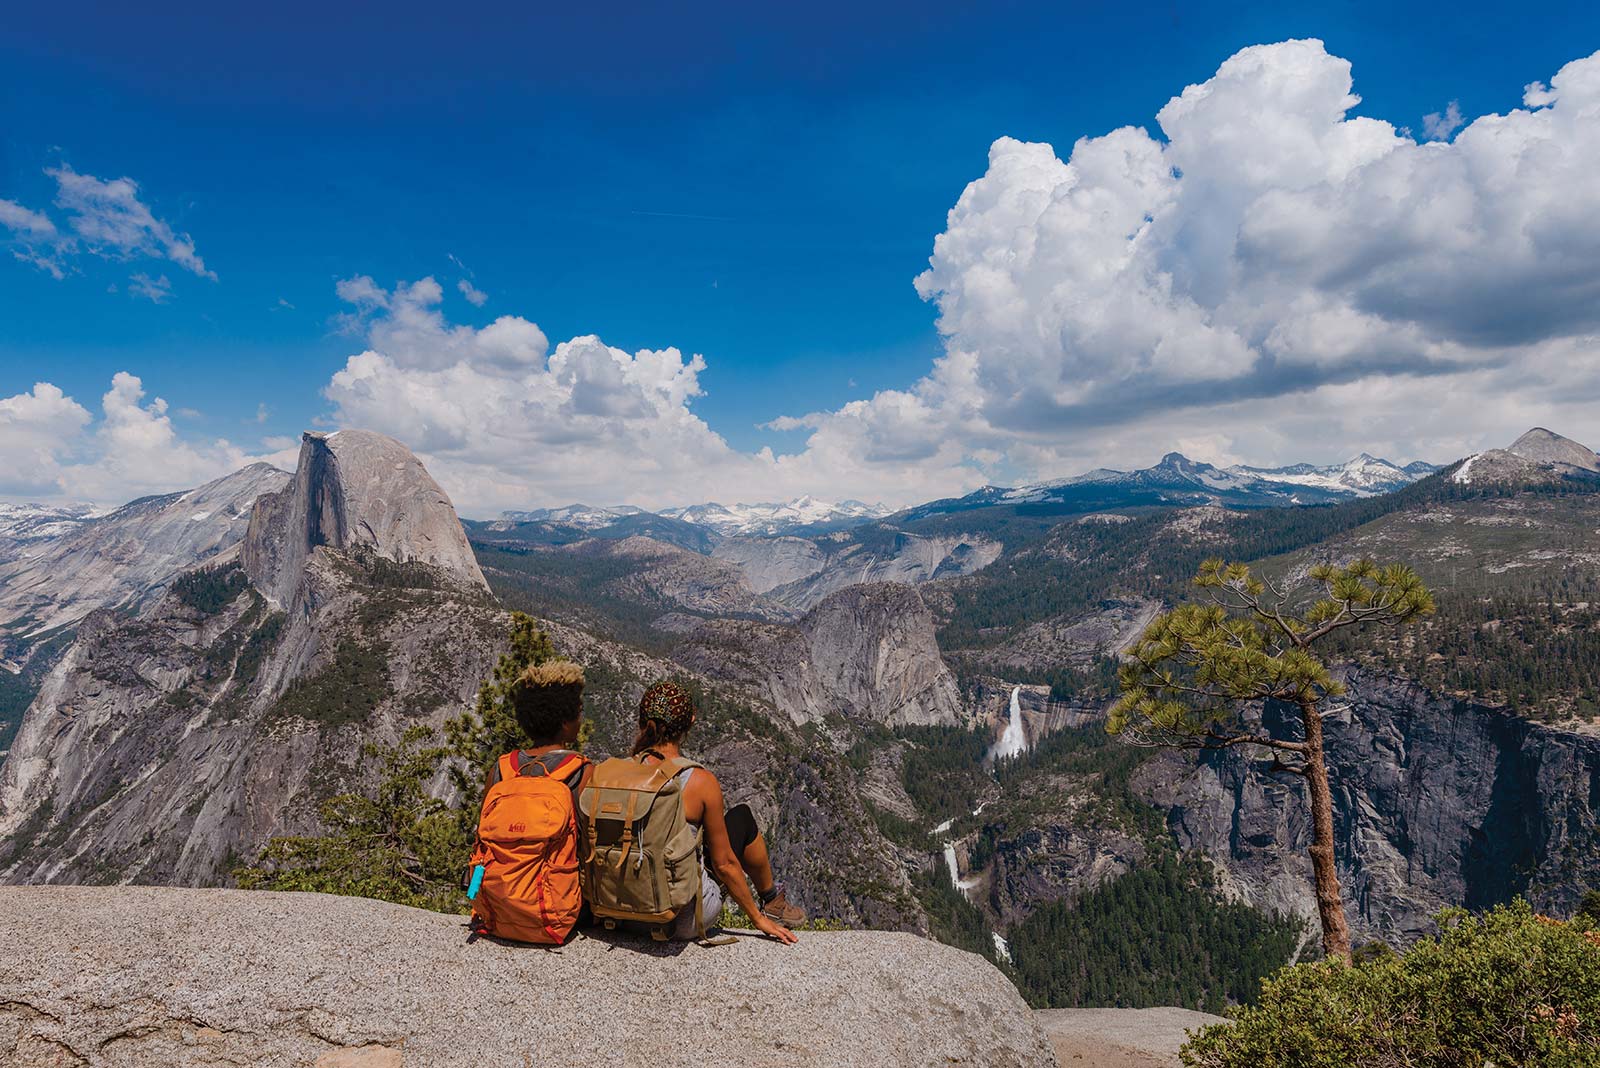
x=391, y=838
x=1199, y=675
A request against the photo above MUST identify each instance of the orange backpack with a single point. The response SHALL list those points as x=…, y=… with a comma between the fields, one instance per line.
x=528, y=850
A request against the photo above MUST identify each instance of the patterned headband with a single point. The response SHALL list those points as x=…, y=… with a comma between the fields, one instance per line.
x=668, y=704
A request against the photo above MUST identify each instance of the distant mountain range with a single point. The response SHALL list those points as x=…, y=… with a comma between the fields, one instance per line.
x=1178, y=480
x=755, y=520
x=729, y=521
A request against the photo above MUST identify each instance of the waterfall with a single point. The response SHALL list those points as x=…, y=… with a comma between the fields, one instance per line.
x=950, y=861
x=1012, y=741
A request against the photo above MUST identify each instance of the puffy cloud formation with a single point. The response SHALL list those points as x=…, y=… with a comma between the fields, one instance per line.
x=35, y=430
x=52, y=447
x=505, y=421
x=1271, y=279
x=104, y=218
x=1266, y=277
x=1269, y=259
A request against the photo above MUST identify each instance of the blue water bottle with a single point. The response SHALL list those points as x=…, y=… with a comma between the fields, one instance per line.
x=477, y=882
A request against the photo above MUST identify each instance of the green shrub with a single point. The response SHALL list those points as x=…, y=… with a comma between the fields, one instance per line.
x=1505, y=988
x=393, y=842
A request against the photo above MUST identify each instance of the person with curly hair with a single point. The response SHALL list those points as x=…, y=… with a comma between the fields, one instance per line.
x=547, y=699
x=735, y=854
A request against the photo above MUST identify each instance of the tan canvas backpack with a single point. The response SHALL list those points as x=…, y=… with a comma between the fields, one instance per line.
x=638, y=857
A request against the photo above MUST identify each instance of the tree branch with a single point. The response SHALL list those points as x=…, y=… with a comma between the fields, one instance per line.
x=1218, y=740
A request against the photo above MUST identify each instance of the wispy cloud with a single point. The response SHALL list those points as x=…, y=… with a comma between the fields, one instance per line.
x=157, y=290
x=101, y=218
x=1439, y=127
x=475, y=296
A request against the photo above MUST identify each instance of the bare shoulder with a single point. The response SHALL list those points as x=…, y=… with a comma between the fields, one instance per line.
x=702, y=782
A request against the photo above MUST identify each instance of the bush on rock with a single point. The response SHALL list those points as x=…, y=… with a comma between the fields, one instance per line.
x=1506, y=988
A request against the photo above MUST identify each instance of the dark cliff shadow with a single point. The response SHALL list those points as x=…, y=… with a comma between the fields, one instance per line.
x=1501, y=857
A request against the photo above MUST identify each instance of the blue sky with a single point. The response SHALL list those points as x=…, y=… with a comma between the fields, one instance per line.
x=755, y=185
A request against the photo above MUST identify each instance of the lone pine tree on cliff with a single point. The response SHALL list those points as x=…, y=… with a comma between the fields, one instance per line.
x=1199, y=674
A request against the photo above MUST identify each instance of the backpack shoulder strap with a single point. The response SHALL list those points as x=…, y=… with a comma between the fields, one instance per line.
x=570, y=767
x=682, y=764
x=510, y=765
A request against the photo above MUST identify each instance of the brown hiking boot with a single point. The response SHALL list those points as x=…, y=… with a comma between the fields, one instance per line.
x=780, y=911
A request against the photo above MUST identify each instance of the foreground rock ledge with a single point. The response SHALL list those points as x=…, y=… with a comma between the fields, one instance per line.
x=155, y=976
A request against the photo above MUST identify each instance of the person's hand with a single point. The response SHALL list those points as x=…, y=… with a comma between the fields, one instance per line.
x=775, y=930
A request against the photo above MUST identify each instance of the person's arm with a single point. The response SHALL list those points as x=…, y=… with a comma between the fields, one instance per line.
x=704, y=790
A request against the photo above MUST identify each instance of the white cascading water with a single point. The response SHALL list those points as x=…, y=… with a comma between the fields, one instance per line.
x=950, y=861
x=1013, y=740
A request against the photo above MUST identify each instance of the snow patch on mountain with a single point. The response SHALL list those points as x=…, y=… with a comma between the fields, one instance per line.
x=583, y=516
x=776, y=518
x=1364, y=476
x=21, y=523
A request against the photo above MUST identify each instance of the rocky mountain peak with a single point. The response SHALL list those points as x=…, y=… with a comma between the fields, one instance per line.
x=126, y=556
x=1547, y=447
x=355, y=488
x=1540, y=455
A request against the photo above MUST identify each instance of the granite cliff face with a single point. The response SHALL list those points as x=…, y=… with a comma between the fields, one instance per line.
x=802, y=572
x=354, y=488
x=868, y=652
x=1438, y=802
x=169, y=741
x=124, y=559
x=672, y=576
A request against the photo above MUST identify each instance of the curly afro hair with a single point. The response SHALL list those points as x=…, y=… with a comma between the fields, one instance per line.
x=546, y=697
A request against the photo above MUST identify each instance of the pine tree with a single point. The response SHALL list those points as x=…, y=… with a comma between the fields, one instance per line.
x=393, y=839
x=1196, y=673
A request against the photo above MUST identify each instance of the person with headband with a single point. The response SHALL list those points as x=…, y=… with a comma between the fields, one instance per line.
x=734, y=853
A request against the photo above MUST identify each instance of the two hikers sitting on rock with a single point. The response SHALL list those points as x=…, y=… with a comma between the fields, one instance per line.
x=641, y=840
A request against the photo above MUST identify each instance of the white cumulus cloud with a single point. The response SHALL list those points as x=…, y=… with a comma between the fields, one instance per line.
x=1268, y=253
x=52, y=447
x=37, y=429
x=504, y=420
